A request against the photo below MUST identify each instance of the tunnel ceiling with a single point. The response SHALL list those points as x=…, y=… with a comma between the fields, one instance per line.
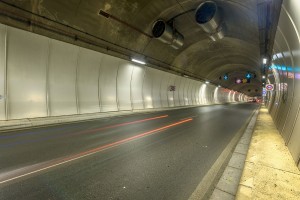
x=236, y=54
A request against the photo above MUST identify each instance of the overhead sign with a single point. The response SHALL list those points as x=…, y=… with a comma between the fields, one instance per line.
x=269, y=87
x=248, y=76
x=225, y=77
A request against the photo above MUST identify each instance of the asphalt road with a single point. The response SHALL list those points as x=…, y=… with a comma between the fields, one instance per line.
x=161, y=155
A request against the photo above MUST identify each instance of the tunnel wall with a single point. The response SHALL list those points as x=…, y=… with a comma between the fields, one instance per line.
x=284, y=73
x=42, y=77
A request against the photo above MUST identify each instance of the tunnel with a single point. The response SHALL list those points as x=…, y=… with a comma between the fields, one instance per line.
x=124, y=99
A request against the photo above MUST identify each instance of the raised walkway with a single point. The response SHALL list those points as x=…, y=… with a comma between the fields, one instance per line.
x=269, y=171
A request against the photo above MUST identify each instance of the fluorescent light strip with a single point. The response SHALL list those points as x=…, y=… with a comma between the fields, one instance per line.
x=138, y=61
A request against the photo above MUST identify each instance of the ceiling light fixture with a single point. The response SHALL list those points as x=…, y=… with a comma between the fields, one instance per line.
x=138, y=61
x=265, y=61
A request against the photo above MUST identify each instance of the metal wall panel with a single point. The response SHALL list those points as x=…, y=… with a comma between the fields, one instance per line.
x=190, y=92
x=3, y=29
x=123, y=85
x=137, y=87
x=108, y=83
x=287, y=29
x=156, y=85
x=216, y=95
x=193, y=92
x=88, y=71
x=177, y=84
x=279, y=81
x=235, y=96
x=147, y=88
x=186, y=91
x=197, y=88
x=284, y=101
x=287, y=82
x=181, y=91
x=62, y=78
x=290, y=18
x=294, y=142
x=164, y=89
x=202, y=94
x=27, y=56
x=84, y=81
x=172, y=94
x=210, y=93
x=221, y=95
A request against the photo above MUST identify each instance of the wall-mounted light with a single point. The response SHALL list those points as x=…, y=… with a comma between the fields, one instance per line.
x=219, y=85
x=207, y=82
x=265, y=61
x=138, y=61
x=263, y=77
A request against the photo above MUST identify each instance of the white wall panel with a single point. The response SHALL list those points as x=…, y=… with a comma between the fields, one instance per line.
x=216, y=95
x=207, y=93
x=164, y=89
x=197, y=88
x=137, y=87
x=190, y=92
x=285, y=98
x=147, y=88
x=177, y=93
x=287, y=31
x=108, y=83
x=284, y=102
x=293, y=143
x=193, y=92
x=202, y=94
x=156, y=85
x=172, y=94
x=181, y=91
x=2, y=70
x=290, y=18
x=62, y=78
x=27, y=57
x=123, y=85
x=186, y=91
x=87, y=80
x=84, y=81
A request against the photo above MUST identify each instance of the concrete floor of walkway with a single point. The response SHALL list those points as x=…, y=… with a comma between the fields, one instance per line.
x=270, y=171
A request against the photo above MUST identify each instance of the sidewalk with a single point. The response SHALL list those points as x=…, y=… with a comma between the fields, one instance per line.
x=269, y=171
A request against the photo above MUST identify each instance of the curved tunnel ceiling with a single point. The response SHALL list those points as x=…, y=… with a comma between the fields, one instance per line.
x=237, y=53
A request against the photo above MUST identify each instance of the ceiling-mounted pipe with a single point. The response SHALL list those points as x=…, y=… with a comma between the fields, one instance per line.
x=208, y=17
x=107, y=15
x=167, y=34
